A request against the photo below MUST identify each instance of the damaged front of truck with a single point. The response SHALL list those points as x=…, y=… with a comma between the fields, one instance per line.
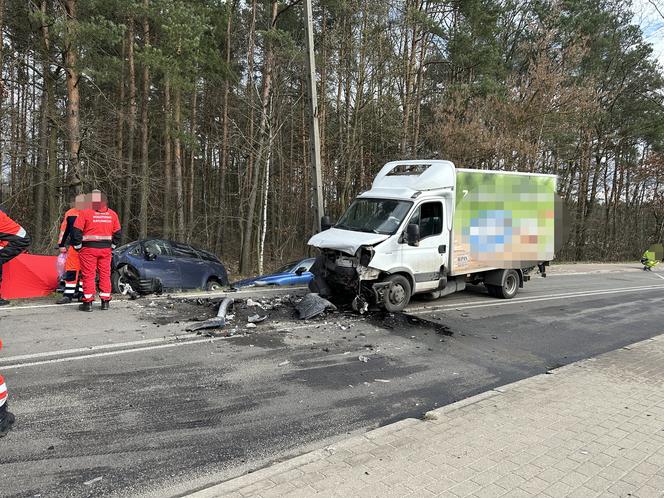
x=357, y=252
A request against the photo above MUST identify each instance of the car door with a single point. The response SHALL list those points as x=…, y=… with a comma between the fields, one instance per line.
x=426, y=259
x=160, y=263
x=304, y=277
x=193, y=269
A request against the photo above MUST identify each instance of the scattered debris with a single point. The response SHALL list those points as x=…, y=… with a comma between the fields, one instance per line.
x=256, y=318
x=429, y=416
x=284, y=363
x=92, y=481
x=363, y=358
x=313, y=305
x=382, y=380
x=251, y=325
x=252, y=303
x=214, y=323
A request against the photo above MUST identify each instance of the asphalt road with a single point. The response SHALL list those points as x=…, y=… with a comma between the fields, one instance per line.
x=127, y=403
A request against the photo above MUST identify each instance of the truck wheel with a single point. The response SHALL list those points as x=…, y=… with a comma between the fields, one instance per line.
x=397, y=293
x=510, y=285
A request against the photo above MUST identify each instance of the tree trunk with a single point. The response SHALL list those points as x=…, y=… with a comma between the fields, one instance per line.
x=73, y=98
x=245, y=261
x=166, y=227
x=179, y=193
x=192, y=163
x=145, y=132
x=131, y=130
x=223, y=166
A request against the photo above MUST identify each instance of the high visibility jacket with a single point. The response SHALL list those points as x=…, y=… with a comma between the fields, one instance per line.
x=98, y=229
x=67, y=226
x=10, y=230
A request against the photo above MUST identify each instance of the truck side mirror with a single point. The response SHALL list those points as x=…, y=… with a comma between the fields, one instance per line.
x=326, y=223
x=413, y=234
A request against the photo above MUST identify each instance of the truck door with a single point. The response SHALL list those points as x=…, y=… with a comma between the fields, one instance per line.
x=425, y=261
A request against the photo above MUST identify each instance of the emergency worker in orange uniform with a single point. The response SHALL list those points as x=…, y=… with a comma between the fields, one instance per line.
x=6, y=417
x=13, y=241
x=96, y=233
x=72, y=264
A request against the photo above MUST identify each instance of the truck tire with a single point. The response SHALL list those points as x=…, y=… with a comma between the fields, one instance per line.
x=397, y=293
x=510, y=285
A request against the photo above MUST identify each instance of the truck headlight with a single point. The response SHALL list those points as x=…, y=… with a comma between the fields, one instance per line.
x=365, y=255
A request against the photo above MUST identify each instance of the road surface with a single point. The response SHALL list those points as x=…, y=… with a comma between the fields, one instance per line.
x=127, y=403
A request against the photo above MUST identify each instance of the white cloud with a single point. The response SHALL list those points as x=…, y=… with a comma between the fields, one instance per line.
x=646, y=15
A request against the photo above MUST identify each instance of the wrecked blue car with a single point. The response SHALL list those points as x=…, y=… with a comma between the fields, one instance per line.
x=294, y=273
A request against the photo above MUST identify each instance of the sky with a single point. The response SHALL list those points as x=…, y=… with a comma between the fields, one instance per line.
x=652, y=24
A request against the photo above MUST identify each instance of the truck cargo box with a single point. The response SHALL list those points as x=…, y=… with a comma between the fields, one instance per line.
x=502, y=220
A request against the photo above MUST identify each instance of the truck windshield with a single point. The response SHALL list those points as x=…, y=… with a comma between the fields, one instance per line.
x=383, y=216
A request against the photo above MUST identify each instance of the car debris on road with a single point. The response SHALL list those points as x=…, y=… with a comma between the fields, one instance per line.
x=214, y=323
x=313, y=305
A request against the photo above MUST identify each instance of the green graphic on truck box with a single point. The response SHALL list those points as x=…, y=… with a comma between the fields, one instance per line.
x=502, y=220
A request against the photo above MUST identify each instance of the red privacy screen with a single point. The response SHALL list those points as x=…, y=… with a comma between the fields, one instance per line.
x=29, y=275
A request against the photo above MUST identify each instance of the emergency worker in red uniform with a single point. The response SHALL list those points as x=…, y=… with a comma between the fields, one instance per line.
x=96, y=233
x=13, y=241
x=72, y=264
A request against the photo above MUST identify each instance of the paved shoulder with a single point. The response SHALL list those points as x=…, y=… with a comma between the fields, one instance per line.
x=588, y=429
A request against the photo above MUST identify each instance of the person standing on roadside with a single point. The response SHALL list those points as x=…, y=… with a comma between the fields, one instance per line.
x=96, y=233
x=13, y=241
x=72, y=264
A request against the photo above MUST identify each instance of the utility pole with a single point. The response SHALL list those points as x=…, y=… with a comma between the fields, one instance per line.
x=314, y=142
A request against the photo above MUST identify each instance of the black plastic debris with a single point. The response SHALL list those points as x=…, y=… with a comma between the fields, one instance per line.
x=313, y=305
x=214, y=323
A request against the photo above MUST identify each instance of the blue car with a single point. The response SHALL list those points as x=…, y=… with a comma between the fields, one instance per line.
x=171, y=265
x=295, y=273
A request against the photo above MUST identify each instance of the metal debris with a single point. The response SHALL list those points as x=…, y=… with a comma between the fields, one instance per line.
x=284, y=363
x=92, y=481
x=363, y=358
x=313, y=305
x=256, y=318
x=214, y=323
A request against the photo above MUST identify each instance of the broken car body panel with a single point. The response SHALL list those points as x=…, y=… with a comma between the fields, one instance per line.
x=345, y=241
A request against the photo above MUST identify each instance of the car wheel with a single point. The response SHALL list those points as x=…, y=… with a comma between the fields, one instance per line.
x=397, y=293
x=118, y=282
x=213, y=285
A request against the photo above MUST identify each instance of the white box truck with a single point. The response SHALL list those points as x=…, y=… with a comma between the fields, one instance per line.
x=426, y=227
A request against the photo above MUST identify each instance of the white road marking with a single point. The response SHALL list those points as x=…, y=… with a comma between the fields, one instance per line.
x=187, y=295
x=658, y=275
x=110, y=353
x=91, y=348
x=482, y=298
x=169, y=342
x=475, y=304
x=178, y=341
